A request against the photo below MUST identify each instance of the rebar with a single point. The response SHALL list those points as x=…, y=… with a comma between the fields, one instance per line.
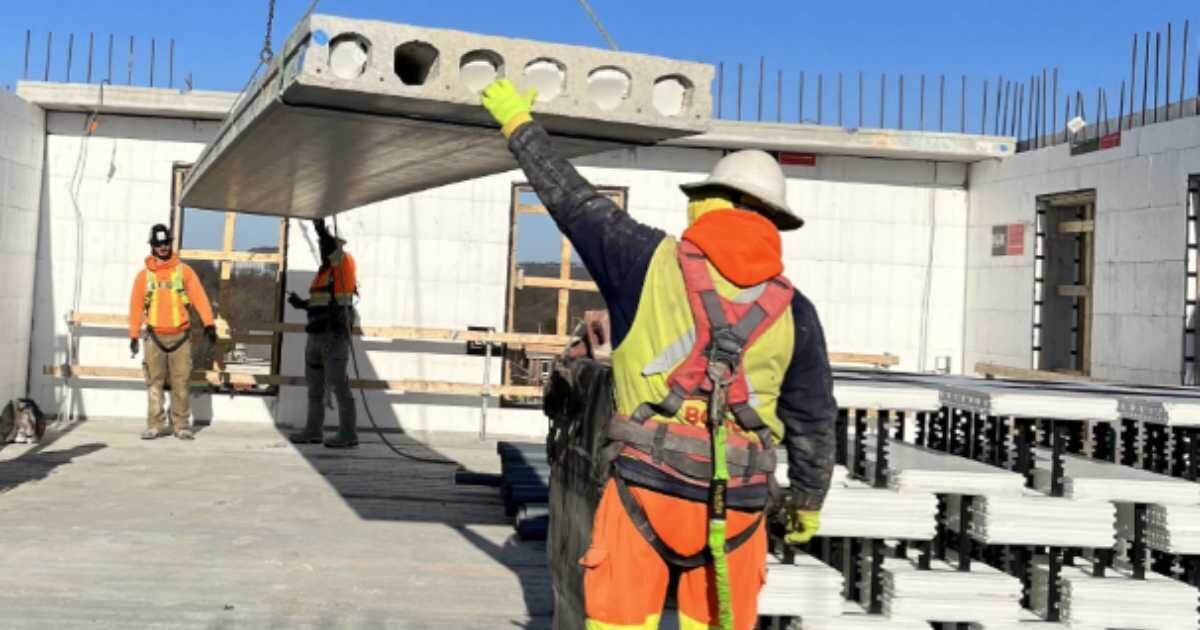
x=46, y=69
x=820, y=98
x=762, y=68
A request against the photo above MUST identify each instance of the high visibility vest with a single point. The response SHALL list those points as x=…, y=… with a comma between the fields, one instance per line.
x=171, y=289
x=664, y=336
x=333, y=285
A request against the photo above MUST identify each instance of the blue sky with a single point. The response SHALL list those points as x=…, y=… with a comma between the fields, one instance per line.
x=217, y=41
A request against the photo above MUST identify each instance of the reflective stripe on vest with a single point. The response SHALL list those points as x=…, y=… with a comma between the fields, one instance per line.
x=665, y=338
x=175, y=292
x=319, y=291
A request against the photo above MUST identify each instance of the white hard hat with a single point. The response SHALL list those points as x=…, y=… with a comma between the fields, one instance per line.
x=755, y=173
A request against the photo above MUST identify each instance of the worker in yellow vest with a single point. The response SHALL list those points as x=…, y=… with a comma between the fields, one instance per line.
x=162, y=292
x=330, y=310
x=717, y=359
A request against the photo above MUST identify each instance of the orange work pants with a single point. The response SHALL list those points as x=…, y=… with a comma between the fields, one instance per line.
x=625, y=580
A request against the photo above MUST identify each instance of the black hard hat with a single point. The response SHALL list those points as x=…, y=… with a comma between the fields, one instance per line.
x=160, y=235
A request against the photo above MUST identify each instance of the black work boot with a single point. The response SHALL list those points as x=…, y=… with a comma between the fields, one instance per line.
x=304, y=437
x=342, y=441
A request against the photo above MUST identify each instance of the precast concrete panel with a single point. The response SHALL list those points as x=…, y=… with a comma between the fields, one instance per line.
x=355, y=111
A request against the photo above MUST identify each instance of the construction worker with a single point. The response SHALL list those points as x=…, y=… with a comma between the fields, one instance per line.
x=162, y=292
x=717, y=359
x=330, y=309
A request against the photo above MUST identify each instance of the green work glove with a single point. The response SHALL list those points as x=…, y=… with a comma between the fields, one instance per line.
x=507, y=105
x=801, y=525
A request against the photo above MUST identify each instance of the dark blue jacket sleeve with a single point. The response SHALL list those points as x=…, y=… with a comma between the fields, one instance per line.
x=614, y=247
x=808, y=409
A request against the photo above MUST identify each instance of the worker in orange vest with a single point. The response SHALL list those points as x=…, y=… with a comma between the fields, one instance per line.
x=330, y=310
x=717, y=359
x=162, y=292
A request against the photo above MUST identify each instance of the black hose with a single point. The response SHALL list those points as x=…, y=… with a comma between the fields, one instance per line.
x=363, y=396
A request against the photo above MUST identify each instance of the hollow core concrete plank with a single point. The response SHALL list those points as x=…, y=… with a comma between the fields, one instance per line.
x=355, y=111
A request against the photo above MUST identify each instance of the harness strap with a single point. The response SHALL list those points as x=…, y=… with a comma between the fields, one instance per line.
x=161, y=346
x=672, y=448
x=670, y=556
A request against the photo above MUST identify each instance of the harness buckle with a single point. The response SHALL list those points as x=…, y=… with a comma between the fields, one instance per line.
x=724, y=354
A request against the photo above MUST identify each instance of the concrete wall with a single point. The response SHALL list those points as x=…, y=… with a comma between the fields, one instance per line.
x=22, y=133
x=1140, y=250
x=439, y=259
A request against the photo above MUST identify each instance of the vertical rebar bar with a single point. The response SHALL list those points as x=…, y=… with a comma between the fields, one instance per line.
x=1121, y=108
x=762, y=69
x=962, y=105
x=49, y=43
x=983, y=116
x=921, y=107
x=1132, y=78
x=108, y=78
x=91, y=50
x=900, y=101
x=739, y=92
x=1145, y=77
x=860, y=98
x=129, y=64
x=942, y=103
x=1054, y=106
x=1157, y=55
x=1045, y=109
x=1029, y=127
x=839, y=100
x=1035, y=112
x=1004, y=116
x=70, y=54
x=800, y=98
x=1099, y=97
x=1167, y=87
x=1019, y=107
x=1066, y=117
x=996, y=116
x=779, y=97
x=1183, y=68
x=882, y=97
x=171, y=66
x=720, y=80
x=152, y=51
x=25, y=66
x=820, y=98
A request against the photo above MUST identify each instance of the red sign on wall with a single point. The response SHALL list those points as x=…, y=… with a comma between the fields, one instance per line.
x=797, y=159
x=1008, y=240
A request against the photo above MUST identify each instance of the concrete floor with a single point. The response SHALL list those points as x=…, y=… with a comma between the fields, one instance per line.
x=239, y=529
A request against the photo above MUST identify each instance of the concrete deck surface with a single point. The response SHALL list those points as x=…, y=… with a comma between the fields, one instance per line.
x=240, y=529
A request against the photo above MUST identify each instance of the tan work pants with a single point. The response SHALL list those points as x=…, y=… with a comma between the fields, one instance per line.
x=161, y=368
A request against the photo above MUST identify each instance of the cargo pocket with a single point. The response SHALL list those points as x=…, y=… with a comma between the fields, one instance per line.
x=598, y=588
x=594, y=557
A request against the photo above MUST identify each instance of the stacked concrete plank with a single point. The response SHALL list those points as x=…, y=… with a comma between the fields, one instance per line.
x=354, y=111
x=942, y=593
x=1089, y=479
x=1035, y=519
x=854, y=509
x=914, y=468
x=1116, y=600
x=805, y=588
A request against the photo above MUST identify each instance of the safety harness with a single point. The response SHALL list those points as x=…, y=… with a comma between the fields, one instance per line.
x=708, y=455
x=174, y=284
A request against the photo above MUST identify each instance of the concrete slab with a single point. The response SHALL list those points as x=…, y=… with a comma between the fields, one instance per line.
x=355, y=111
x=123, y=99
x=241, y=529
x=916, y=145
